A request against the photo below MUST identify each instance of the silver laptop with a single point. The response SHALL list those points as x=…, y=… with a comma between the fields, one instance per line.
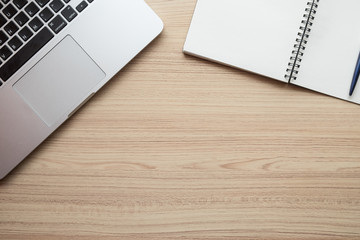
x=55, y=55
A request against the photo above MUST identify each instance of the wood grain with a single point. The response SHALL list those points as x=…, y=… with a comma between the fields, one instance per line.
x=175, y=147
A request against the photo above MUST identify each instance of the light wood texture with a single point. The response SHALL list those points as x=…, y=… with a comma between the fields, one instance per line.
x=175, y=147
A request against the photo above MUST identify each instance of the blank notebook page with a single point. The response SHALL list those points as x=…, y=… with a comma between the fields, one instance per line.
x=331, y=53
x=256, y=35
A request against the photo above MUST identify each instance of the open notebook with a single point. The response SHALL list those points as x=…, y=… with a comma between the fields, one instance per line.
x=313, y=44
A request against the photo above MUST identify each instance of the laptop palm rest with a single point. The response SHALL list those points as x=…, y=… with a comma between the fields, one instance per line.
x=60, y=81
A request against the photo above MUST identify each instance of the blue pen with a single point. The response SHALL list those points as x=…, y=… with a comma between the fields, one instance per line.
x=355, y=77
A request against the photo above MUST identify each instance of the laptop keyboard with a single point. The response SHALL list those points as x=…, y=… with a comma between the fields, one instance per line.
x=26, y=26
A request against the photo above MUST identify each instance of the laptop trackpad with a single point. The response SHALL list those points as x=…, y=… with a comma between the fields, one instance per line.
x=59, y=81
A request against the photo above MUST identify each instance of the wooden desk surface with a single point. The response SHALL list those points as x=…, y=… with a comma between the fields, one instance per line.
x=175, y=147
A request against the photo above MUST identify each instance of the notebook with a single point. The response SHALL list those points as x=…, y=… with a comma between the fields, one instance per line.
x=313, y=44
x=54, y=56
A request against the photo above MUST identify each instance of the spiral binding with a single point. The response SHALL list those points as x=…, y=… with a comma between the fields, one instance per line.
x=301, y=41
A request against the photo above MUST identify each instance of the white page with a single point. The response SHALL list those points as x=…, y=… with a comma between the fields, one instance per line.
x=255, y=35
x=333, y=47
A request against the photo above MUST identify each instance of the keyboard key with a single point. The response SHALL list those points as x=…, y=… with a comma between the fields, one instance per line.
x=46, y=14
x=56, y=5
x=69, y=13
x=20, y=3
x=57, y=24
x=81, y=6
x=11, y=28
x=5, y=52
x=36, y=24
x=31, y=9
x=2, y=20
x=15, y=43
x=90, y=1
x=66, y=1
x=42, y=3
x=25, y=53
x=3, y=38
x=25, y=34
x=21, y=19
x=9, y=11
x=5, y=1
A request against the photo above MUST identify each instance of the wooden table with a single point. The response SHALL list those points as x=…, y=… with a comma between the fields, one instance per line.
x=175, y=147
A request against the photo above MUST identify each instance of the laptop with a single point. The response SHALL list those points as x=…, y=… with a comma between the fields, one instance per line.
x=55, y=55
